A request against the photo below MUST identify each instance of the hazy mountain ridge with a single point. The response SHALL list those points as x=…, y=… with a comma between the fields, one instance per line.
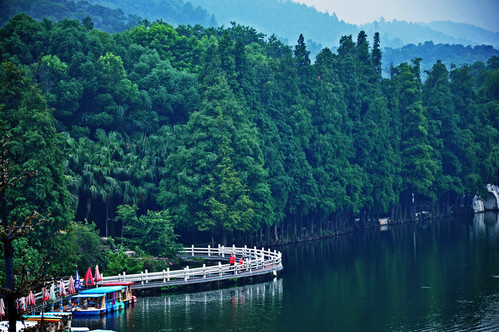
x=396, y=34
x=466, y=31
x=431, y=53
x=288, y=19
x=171, y=11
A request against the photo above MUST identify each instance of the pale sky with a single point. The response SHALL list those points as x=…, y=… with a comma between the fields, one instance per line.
x=482, y=13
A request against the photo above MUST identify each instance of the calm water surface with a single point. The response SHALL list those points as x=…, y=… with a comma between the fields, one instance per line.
x=439, y=276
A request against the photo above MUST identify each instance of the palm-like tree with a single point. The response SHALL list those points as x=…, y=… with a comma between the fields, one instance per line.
x=105, y=169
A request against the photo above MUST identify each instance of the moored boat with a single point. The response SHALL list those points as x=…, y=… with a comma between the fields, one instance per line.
x=98, y=301
x=20, y=326
x=51, y=321
x=128, y=292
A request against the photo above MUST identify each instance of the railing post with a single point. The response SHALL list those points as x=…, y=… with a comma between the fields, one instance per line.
x=219, y=249
x=234, y=249
x=141, y=277
x=124, y=276
x=147, y=277
x=220, y=268
x=204, y=271
x=193, y=250
x=164, y=277
x=168, y=273
x=186, y=273
x=223, y=251
x=209, y=252
x=250, y=264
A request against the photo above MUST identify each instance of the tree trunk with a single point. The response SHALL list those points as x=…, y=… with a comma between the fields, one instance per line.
x=224, y=238
x=107, y=218
x=9, y=270
x=89, y=206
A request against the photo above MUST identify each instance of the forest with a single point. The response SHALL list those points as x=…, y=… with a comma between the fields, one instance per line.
x=160, y=135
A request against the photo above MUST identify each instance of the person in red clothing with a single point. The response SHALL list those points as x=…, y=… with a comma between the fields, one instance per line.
x=241, y=262
x=232, y=262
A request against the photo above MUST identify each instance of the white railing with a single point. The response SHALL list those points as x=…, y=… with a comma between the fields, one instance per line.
x=255, y=261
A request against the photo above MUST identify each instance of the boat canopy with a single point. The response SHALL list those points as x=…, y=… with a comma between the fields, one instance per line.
x=118, y=283
x=88, y=295
x=102, y=290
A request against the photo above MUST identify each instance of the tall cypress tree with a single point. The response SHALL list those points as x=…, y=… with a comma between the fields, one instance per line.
x=419, y=166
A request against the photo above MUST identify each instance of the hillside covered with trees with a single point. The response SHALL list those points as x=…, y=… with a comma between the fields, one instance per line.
x=223, y=134
x=452, y=43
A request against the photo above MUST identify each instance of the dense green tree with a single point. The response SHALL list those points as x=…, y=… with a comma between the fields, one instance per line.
x=446, y=137
x=237, y=135
x=151, y=232
x=376, y=54
x=22, y=40
x=465, y=102
x=419, y=163
x=224, y=187
x=33, y=147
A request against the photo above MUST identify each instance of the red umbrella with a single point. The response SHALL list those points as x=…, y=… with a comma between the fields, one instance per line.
x=30, y=299
x=46, y=295
x=71, y=288
x=98, y=276
x=62, y=288
x=89, y=279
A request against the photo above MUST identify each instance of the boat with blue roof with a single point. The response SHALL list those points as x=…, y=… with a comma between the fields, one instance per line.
x=98, y=301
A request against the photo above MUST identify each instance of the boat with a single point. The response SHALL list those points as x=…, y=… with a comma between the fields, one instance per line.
x=98, y=301
x=52, y=321
x=20, y=326
x=128, y=294
x=55, y=321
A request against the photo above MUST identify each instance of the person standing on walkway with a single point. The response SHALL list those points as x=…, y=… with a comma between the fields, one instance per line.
x=232, y=262
x=241, y=262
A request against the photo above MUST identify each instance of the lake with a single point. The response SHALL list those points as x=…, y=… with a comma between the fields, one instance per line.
x=442, y=275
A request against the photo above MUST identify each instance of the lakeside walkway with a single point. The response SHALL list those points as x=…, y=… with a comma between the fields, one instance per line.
x=257, y=262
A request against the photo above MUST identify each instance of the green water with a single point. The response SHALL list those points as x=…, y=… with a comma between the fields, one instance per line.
x=438, y=276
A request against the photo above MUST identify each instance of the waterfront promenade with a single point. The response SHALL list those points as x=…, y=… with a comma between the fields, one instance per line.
x=257, y=262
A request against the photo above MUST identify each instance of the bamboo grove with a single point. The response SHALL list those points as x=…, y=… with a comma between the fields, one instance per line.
x=226, y=134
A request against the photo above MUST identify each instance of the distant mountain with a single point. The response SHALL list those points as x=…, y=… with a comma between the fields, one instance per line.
x=170, y=11
x=397, y=34
x=104, y=18
x=430, y=53
x=109, y=15
x=466, y=31
x=288, y=19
